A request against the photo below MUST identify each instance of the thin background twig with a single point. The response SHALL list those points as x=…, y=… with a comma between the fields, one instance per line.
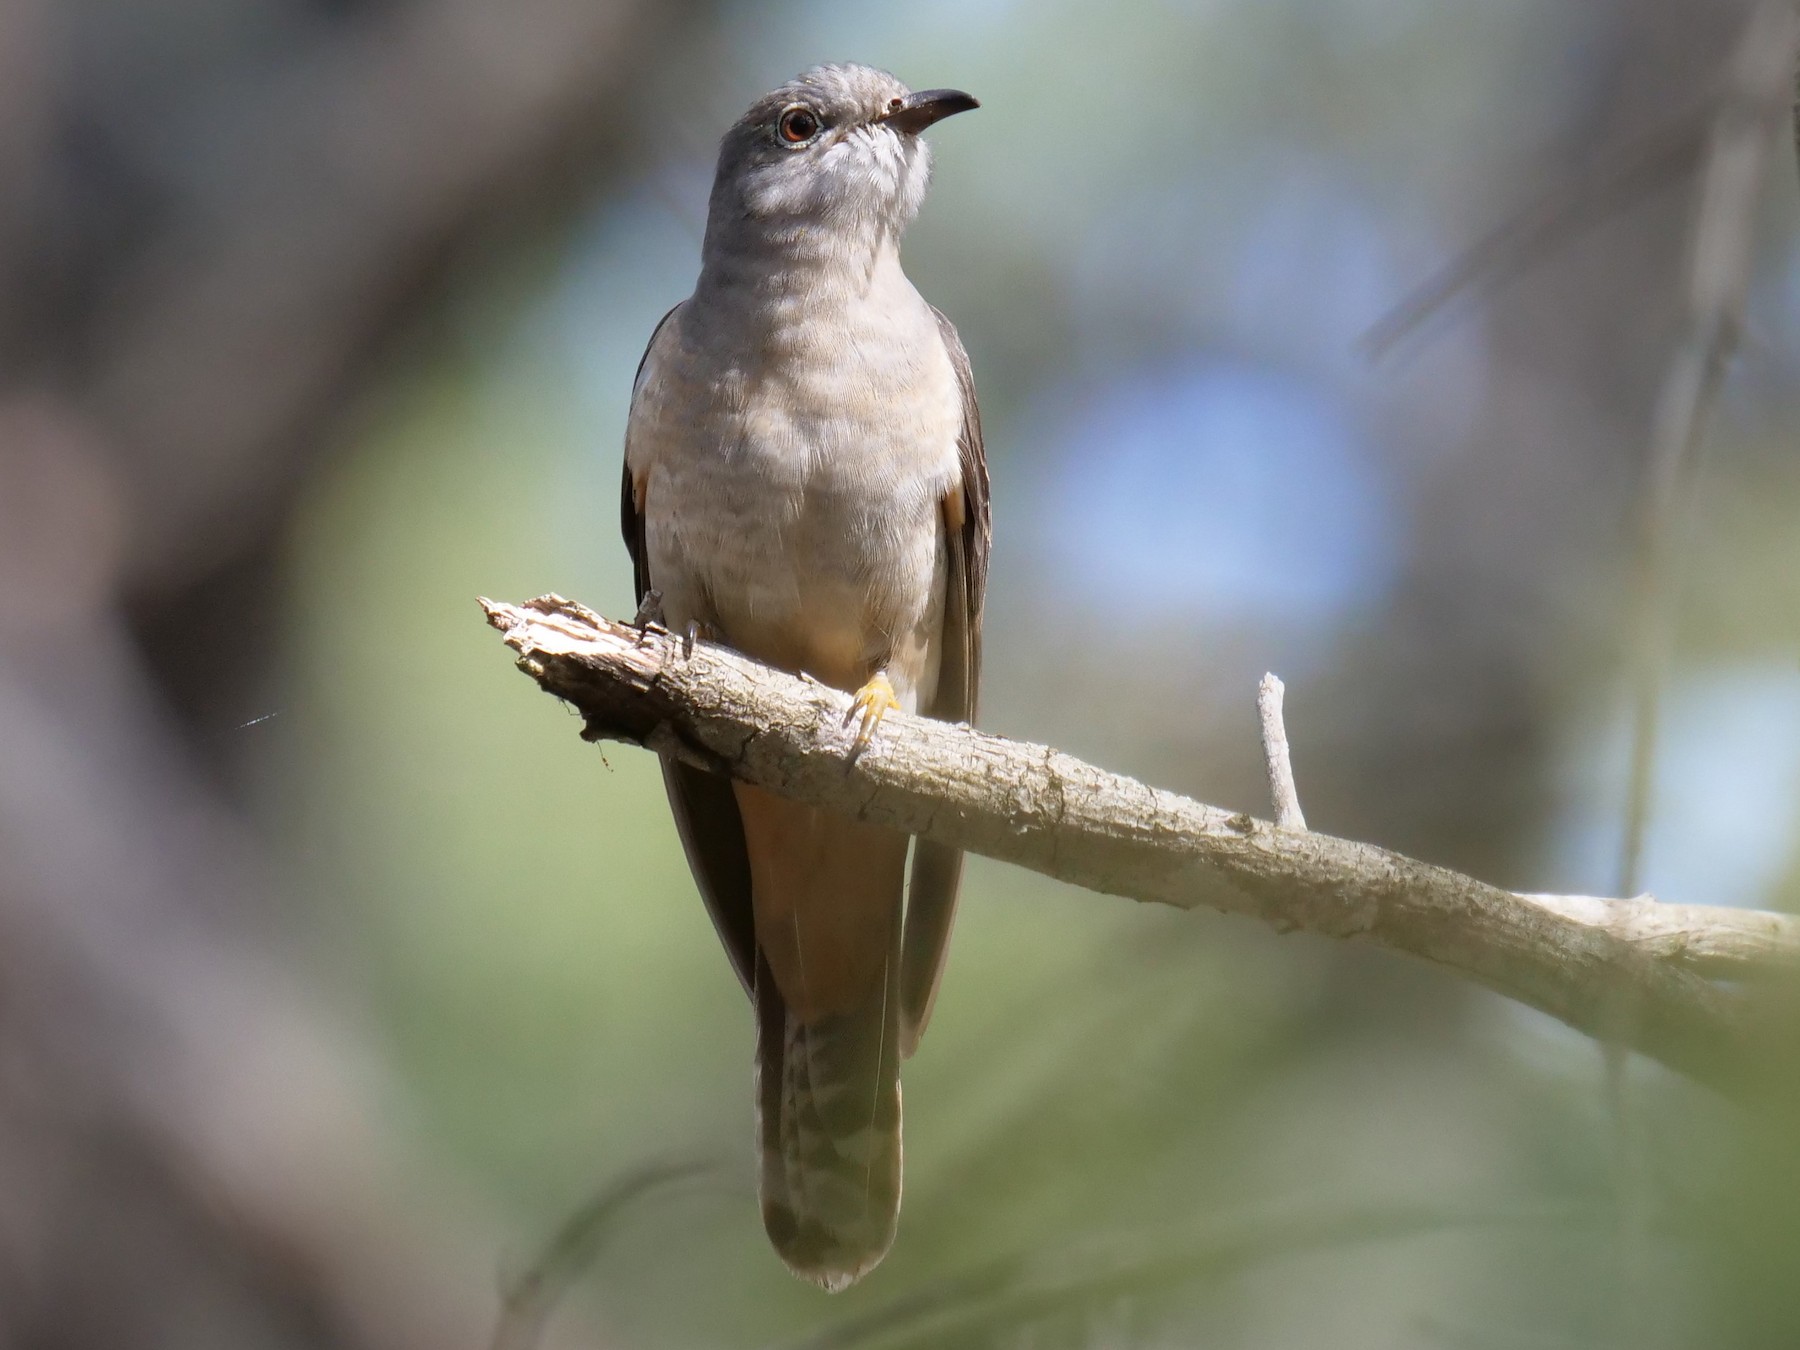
x=1740, y=147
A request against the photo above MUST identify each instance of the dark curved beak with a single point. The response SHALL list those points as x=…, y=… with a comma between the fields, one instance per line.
x=915, y=112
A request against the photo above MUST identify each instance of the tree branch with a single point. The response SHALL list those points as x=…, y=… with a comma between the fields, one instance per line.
x=1579, y=959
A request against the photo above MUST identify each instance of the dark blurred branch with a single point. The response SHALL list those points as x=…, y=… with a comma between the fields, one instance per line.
x=1030, y=805
x=313, y=235
x=209, y=1140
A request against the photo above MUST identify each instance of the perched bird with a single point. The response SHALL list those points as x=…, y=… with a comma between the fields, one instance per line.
x=805, y=482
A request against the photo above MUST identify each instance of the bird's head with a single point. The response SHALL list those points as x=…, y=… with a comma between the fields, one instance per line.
x=839, y=146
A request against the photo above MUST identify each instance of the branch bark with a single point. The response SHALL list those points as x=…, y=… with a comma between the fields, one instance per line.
x=1583, y=960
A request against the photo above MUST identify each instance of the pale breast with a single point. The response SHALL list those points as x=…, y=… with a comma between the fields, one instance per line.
x=793, y=488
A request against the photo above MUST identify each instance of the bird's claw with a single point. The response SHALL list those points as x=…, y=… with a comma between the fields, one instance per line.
x=649, y=612
x=871, y=703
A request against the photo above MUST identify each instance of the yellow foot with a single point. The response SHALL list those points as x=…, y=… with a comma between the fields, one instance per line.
x=871, y=702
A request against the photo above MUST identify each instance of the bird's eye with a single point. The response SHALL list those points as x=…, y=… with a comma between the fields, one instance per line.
x=798, y=125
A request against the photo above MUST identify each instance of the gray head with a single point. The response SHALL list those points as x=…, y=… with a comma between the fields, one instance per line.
x=839, y=144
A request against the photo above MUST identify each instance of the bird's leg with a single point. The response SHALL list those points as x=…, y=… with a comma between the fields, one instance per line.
x=649, y=611
x=871, y=702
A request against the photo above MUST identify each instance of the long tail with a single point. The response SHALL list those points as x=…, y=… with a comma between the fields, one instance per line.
x=829, y=1106
x=829, y=1026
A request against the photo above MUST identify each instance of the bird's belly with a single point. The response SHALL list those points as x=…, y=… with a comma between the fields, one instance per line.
x=823, y=558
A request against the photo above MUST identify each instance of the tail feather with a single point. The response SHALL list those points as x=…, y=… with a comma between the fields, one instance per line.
x=828, y=895
x=828, y=1094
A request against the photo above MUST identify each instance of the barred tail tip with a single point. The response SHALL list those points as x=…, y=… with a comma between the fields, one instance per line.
x=833, y=1260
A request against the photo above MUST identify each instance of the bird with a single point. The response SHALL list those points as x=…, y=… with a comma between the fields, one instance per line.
x=805, y=482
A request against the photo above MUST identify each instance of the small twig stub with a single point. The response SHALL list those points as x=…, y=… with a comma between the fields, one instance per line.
x=1282, y=793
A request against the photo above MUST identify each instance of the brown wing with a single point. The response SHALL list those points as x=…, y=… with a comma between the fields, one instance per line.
x=937, y=869
x=706, y=812
x=631, y=516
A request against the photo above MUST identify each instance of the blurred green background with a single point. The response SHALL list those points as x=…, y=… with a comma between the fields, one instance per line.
x=1161, y=238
